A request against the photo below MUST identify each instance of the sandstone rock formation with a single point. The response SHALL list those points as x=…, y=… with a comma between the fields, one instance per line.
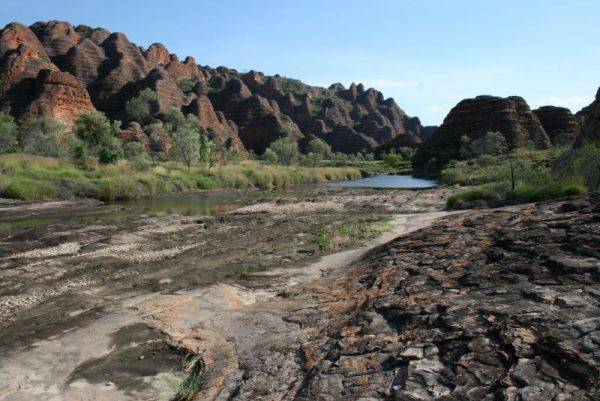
x=474, y=118
x=58, y=95
x=589, y=118
x=559, y=123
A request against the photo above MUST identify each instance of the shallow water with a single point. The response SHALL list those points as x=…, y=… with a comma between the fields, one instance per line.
x=388, y=181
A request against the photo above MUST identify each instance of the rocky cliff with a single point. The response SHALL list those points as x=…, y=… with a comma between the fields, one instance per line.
x=474, y=118
x=58, y=70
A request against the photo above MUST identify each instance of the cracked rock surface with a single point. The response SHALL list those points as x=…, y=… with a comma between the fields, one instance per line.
x=489, y=305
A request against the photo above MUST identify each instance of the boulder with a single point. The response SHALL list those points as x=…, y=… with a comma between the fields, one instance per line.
x=134, y=133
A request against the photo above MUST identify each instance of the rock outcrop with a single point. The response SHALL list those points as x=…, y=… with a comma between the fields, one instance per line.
x=559, y=123
x=58, y=95
x=490, y=305
x=589, y=119
x=474, y=118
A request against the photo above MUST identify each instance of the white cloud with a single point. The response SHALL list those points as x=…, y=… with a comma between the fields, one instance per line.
x=574, y=103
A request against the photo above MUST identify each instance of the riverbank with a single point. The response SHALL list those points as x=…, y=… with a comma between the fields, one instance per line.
x=28, y=177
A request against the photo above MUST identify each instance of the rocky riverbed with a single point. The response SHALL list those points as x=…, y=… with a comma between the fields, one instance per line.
x=80, y=281
x=497, y=304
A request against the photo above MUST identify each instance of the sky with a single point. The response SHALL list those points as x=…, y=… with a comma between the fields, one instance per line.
x=426, y=54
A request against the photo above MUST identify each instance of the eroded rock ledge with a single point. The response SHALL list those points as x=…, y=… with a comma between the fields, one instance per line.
x=494, y=305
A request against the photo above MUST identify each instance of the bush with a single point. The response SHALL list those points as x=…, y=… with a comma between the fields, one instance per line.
x=96, y=130
x=132, y=150
x=319, y=147
x=581, y=164
x=79, y=153
x=42, y=136
x=107, y=155
x=392, y=160
x=8, y=133
x=269, y=157
x=139, y=108
x=286, y=150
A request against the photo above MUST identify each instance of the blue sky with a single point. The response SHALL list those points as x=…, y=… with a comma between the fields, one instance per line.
x=427, y=54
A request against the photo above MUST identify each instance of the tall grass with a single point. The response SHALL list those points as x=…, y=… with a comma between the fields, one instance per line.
x=30, y=177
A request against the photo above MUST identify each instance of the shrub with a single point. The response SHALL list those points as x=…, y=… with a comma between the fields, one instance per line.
x=319, y=147
x=392, y=160
x=8, y=133
x=42, y=136
x=95, y=129
x=132, y=150
x=139, y=108
x=79, y=153
x=270, y=157
x=107, y=155
x=286, y=150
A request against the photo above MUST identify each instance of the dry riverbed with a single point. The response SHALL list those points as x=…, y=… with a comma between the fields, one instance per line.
x=97, y=302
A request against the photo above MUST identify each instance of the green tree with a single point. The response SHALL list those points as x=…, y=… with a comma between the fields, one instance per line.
x=186, y=144
x=286, y=150
x=8, y=133
x=96, y=130
x=42, y=136
x=140, y=108
x=207, y=151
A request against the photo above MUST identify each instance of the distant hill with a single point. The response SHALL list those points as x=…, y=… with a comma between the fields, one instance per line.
x=57, y=69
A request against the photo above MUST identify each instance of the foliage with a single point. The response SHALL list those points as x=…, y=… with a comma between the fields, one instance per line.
x=132, y=149
x=392, y=159
x=286, y=150
x=107, y=155
x=139, y=108
x=79, y=153
x=534, y=176
x=96, y=130
x=270, y=157
x=319, y=147
x=42, y=136
x=580, y=163
x=187, y=85
x=8, y=133
x=492, y=143
x=186, y=144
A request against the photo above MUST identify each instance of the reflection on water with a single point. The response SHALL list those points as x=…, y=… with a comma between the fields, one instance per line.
x=185, y=204
x=189, y=204
x=388, y=181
